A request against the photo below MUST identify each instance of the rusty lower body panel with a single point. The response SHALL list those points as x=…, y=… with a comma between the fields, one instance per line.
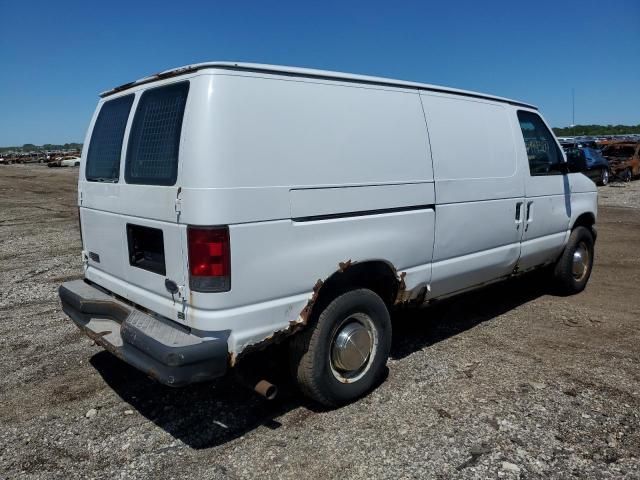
x=403, y=297
x=168, y=352
x=171, y=353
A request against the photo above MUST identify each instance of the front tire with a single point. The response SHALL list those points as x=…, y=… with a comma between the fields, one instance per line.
x=573, y=269
x=344, y=350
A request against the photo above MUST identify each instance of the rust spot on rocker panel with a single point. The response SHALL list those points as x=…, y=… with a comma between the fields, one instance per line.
x=414, y=296
x=402, y=295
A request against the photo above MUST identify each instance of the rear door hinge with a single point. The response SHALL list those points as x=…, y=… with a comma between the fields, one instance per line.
x=183, y=304
x=178, y=202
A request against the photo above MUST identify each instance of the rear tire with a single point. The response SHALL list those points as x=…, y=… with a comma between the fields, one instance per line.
x=344, y=350
x=626, y=175
x=573, y=269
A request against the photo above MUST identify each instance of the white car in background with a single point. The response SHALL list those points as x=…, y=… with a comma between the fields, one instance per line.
x=70, y=162
x=64, y=162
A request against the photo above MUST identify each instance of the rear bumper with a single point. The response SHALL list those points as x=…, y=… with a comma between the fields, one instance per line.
x=164, y=350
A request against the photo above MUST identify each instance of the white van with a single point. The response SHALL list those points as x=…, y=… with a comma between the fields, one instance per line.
x=225, y=207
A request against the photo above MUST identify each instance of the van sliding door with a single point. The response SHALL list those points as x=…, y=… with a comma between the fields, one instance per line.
x=479, y=191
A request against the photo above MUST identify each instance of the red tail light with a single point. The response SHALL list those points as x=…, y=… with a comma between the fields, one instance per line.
x=209, y=259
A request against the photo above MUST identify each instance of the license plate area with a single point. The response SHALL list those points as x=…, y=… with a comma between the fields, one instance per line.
x=146, y=248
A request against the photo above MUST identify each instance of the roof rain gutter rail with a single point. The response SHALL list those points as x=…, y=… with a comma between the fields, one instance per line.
x=314, y=74
x=152, y=78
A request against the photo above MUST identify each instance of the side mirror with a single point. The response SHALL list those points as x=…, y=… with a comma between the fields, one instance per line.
x=576, y=163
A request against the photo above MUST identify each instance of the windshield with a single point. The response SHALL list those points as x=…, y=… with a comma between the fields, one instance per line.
x=593, y=156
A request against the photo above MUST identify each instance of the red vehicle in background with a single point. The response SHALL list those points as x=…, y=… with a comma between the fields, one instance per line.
x=624, y=159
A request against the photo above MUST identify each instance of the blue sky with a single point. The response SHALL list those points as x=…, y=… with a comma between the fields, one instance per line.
x=55, y=57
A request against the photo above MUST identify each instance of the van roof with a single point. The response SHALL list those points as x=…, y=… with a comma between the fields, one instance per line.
x=308, y=73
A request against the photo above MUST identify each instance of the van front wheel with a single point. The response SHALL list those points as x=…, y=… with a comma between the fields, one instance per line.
x=344, y=350
x=573, y=269
x=604, y=177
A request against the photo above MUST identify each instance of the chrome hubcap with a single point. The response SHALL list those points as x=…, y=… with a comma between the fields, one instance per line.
x=352, y=347
x=580, y=261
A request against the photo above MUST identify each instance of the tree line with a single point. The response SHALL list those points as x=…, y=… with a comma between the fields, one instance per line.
x=596, y=130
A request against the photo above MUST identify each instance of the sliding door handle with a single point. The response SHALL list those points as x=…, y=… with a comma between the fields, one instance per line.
x=519, y=213
x=529, y=215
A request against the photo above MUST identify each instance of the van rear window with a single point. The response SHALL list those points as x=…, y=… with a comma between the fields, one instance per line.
x=103, y=159
x=154, y=141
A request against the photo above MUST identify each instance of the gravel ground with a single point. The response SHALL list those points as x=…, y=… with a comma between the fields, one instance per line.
x=506, y=382
x=619, y=194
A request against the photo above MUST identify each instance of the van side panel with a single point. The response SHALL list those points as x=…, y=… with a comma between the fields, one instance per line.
x=334, y=201
x=275, y=260
x=307, y=174
x=260, y=132
x=478, y=187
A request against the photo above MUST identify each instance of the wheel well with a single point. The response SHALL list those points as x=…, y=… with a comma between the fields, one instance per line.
x=378, y=276
x=587, y=220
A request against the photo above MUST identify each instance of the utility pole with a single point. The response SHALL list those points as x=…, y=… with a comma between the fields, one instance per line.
x=573, y=106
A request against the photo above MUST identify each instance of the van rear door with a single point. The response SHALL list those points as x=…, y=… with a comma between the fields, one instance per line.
x=129, y=198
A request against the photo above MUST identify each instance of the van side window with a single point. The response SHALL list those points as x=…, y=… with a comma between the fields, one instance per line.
x=154, y=141
x=542, y=150
x=103, y=159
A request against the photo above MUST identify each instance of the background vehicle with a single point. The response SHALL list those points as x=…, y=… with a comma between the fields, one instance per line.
x=624, y=159
x=578, y=143
x=64, y=162
x=596, y=166
x=70, y=162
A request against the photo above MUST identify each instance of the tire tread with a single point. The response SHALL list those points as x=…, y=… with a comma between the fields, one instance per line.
x=563, y=276
x=304, y=347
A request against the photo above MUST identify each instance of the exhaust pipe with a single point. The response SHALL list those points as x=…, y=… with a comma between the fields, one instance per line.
x=262, y=387
x=266, y=389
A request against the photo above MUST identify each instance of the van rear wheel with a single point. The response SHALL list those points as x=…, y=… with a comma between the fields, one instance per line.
x=343, y=352
x=573, y=269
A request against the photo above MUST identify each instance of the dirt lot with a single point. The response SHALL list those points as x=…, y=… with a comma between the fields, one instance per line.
x=506, y=382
